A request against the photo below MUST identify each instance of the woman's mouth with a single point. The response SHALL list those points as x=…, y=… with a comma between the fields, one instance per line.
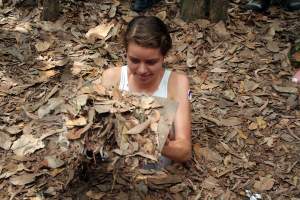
x=144, y=77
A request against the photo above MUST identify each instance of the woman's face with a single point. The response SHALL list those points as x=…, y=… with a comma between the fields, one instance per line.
x=145, y=64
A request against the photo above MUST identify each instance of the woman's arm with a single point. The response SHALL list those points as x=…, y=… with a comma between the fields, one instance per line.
x=180, y=149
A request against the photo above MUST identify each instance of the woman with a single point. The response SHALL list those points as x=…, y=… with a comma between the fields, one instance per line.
x=147, y=42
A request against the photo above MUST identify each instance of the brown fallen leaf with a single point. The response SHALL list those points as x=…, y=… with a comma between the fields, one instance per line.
x=281, y=89
x=80, y=121
x=50, y=106
x=264, y=184
x=5, y=141
x=207, y=154
x=22, y=179
x=273, y=46
x=52, y=162
x=76, y=134
x=100, y=109
x=221, y=30
x=232, y=121
x=210, y=183
x=13, y=130
x=27, y=144
x=42, y=46
x=94, y=195
x=253, y=126
x=261, y=123
x=99, y=32
x=162, y=15
x=139, y=128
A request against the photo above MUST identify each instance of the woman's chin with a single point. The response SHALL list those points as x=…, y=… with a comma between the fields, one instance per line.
x=144, y=80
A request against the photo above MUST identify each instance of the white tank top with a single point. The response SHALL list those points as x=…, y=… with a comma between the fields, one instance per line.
x=162, y=90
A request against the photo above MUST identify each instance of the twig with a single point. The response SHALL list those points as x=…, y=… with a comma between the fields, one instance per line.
x=16, y=192
x=291, y=167
x=211, y=119
x=199, y=194
x=292, y=133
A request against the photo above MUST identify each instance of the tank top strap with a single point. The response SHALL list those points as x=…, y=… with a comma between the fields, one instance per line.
x=123, y=86
x=162, y=90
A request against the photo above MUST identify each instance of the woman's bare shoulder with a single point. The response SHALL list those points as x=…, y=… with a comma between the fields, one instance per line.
x=111, y=77
x=178, y=85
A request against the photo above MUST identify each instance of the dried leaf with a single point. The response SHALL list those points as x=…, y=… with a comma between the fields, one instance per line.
x=221, y=30
x=162, y=15
x=273, y=46
x=139, y=128
x=52, y=162
x=281, y=89
x=146, y=102
x=50, y=106
x=5, y=141
x=22, y=179
x=229, y=95
x=232, y=121
x=261, y=123
x=42, y=46
x=100, y=109
x=218, y=70
x=99, y=32
x=80, y=121
x=26, y=144
x=94, y=195
x=13, y=130
x=253, y=126
x=264, y=184
x=210, y=183
x=78, y=67
x=207, y=154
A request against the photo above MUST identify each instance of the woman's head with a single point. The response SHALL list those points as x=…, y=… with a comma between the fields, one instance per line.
x=149, y=32
x=147, y=41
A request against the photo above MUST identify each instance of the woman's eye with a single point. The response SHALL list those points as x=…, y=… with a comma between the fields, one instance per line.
x=135, y=61
x=151, y=62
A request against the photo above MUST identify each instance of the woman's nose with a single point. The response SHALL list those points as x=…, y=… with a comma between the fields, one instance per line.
x=142, y=68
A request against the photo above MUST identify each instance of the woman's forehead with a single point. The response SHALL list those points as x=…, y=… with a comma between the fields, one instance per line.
x=136, y=50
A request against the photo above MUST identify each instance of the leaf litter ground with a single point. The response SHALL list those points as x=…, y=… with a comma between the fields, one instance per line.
x=60, y=131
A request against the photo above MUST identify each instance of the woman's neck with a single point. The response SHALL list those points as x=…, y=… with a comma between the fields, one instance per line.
x=148, y=88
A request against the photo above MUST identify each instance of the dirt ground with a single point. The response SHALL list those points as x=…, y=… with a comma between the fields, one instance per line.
x=246, y=117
